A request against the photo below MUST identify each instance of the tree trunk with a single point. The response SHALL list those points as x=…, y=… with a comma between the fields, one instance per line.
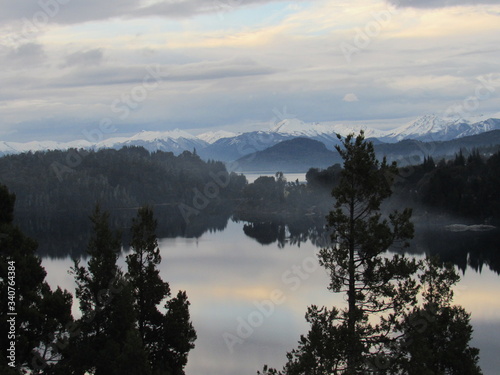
x=351, y=315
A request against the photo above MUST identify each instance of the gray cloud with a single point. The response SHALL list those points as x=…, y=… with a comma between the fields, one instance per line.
x=64, y=11
x=27, y=54
x=438, y=3
x=211, y=70
x=84, y=58
x=42, y=12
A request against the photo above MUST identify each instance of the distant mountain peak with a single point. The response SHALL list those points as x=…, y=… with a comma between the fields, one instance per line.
x=214, y=136
x=296, y=127
x=431, y=127
x=290, y=125
x=228, y=146
x=146, y=135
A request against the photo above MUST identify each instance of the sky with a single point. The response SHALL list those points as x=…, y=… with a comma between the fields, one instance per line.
x=70, y=68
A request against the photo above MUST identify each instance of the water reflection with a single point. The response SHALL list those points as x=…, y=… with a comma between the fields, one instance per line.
x=227, y=274
x=68, y=233
x=465, y=249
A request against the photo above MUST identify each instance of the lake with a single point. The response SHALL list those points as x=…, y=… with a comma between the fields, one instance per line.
x=248, y=300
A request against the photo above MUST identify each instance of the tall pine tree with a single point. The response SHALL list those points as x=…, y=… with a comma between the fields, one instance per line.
x=43, y=316
x=378, y=288
x=167, y=332
x=109, y=338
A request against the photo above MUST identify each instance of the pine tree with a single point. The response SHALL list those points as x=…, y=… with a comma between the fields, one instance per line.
x=108, y=333
x=43, y=316
x=179, y=336
x=375, y=285
x=437, y=334
x=148, y=287
x=168, y=336
x=378, y=288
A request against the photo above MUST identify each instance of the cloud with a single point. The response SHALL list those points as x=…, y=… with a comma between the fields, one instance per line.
x=350, y=98
x=83, y=58
x=438, y=3
x=73, y=11
x=27, y=55
x=136, y=75
x=234, y=71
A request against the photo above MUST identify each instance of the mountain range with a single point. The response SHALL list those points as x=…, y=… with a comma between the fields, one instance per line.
x=301, y=154
x=229, y=146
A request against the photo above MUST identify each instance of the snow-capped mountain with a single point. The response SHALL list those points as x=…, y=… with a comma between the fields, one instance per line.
x=229, y=149
x=175, y=141
x=432, y=127
x=482, y=127
x=18, y=147
x=227, y=146
x=298, y=128
x=212, y=137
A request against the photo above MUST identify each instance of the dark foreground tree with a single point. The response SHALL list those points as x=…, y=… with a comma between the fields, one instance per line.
x=380, y=331
x=108, y=341
x=168, y=334
x=378, y=288
x=437, y=334
x=42, y=316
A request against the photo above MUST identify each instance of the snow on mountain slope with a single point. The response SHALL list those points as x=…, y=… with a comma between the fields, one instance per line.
x=298, y=128
x=227, y=146
x=432, y=127
x=175, y=141
x=482, y=127
x=212, y=137
x=229, y=149
x=17, y=147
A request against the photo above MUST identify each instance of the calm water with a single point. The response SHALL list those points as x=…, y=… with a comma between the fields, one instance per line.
x=232, y=281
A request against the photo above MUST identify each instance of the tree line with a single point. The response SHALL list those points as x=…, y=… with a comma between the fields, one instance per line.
x=466, y=187
x=127, y=178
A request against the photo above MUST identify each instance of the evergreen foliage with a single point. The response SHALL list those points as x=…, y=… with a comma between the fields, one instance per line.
x=375, y=332
x=122, y=330
x=74, y=180
x=42, y=316
x=437, y=334
x=108, y=332
x=167, y=336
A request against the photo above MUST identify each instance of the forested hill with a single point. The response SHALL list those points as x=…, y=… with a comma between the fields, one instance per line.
x=76, y=180
x=298, y=154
